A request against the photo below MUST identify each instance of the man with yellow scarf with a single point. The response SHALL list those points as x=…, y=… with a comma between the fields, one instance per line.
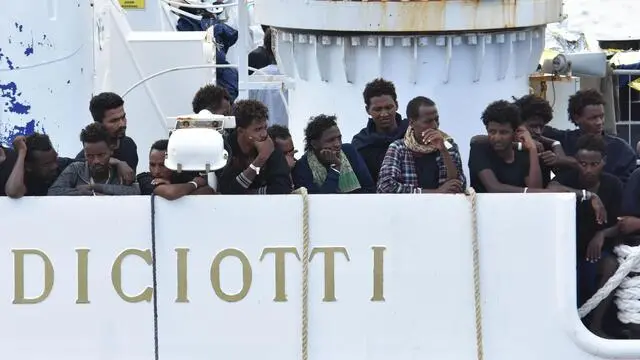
x=426, y=160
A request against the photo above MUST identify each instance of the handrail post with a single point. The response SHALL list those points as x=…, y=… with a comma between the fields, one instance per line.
x=243, y=55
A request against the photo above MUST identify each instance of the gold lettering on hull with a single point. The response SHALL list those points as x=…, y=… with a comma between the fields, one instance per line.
x=246, y=275
x=378, y=273
x=83, y=276
x=18, y=276
x=182, y=288
x=329, y=269
x=116, y=275
x=182, y=276
x=279, y=254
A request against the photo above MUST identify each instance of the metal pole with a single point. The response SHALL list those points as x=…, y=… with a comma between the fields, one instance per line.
x=243, y=54
x=626, y=72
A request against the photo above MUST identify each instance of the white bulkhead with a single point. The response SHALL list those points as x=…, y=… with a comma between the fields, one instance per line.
x=54, y=57
x=462, y=54
x=46, y=70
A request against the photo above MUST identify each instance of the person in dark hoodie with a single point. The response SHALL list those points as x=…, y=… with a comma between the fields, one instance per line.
x=263, y=55
x=586, y=110
x=169, y=184
x=256, y=165
x=225, y=37
x=96, y=175
x=107, y=108
x=385, y=124
x=213, y=98
x=217, y=100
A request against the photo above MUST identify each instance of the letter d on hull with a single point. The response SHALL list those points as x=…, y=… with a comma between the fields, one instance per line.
x=18, y=273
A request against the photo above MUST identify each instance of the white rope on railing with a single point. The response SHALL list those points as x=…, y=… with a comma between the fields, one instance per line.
x=306, y=244
x=628, y=294
x=475, y=244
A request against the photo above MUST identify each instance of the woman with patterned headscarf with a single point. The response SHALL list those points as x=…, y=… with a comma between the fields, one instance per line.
x=426, y=160
x=328, y=166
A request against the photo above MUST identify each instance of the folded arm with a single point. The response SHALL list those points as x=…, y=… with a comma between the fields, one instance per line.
x=65, y=184
x=110, y=189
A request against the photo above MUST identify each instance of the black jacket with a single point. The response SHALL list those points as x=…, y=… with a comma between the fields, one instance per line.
x=274, y=177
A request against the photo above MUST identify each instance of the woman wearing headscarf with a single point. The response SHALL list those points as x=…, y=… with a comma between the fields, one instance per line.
x=426, y=160
x=329, y=166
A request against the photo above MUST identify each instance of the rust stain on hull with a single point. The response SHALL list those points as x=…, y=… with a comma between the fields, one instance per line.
x=430, y=15
x=437, y=15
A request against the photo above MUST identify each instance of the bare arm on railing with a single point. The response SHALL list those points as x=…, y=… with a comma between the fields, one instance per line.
x=15, y=188
x=613, y=204
x=198, y=186
x=534, y=179
x=556, y=157
x=582, y=195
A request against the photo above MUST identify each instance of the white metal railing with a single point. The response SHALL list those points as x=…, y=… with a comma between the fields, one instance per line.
x=243, y=24
x=122, y=26
x=173, y=7
x=261, y=82
x=168, y=17
x=626, y=72
x=243, y=28
x=628, y=120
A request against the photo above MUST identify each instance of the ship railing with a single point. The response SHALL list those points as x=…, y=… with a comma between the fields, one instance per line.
x=628, y=106
x=260, y=80
x=245, y=83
